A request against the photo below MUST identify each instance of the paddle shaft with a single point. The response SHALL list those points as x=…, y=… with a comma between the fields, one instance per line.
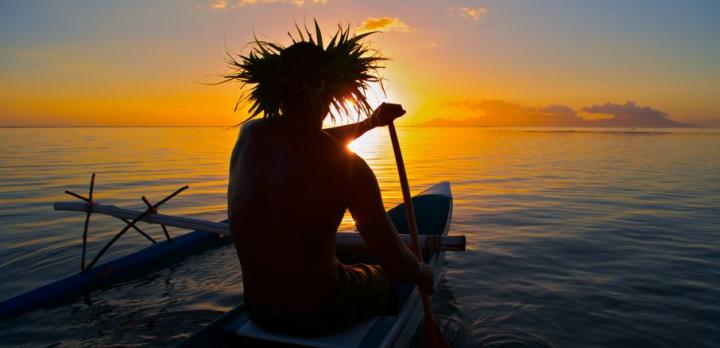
x=432, y=331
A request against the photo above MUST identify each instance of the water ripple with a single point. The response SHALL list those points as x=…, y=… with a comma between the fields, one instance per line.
x=576, y=238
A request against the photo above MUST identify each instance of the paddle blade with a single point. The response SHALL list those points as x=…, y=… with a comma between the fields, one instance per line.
x=434, y=338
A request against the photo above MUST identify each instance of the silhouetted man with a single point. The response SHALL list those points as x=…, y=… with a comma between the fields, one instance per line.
x=290, y=184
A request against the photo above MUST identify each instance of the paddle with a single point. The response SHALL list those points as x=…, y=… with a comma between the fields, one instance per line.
x=433, y=336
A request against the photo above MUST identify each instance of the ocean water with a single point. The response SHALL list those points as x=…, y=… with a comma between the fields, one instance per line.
x=576, y=237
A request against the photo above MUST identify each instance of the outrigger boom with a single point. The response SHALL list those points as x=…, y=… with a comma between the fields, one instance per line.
x=343, y=240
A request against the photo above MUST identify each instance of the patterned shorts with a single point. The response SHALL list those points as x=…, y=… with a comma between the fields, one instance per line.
x=363, y=291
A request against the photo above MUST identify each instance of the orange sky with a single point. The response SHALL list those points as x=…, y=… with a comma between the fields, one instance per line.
x=144, y=63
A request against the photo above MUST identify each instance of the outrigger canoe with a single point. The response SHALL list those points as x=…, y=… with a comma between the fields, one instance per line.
x=433, y=209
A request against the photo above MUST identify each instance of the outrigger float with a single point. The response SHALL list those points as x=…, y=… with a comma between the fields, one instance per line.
x=434, y=213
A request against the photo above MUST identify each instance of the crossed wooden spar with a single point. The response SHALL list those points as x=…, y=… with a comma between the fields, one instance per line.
x=89, y=208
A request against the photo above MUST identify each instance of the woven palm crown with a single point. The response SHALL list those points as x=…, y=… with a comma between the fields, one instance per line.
x=335, y=75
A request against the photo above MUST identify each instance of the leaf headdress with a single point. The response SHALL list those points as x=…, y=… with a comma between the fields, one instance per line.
x=342, y=77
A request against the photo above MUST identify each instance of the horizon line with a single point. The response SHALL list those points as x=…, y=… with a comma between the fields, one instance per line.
x=408, y=125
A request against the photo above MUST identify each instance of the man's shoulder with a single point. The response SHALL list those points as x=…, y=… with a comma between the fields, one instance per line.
x=249, y=133
x=253, y=125
x=256, y=130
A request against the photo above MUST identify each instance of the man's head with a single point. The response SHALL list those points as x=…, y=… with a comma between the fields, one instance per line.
x=299, y=68
x=308, y=78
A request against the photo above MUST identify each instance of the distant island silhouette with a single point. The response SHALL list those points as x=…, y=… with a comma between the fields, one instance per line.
x=498, y=113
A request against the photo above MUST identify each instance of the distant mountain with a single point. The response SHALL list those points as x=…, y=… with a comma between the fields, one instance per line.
x=502, y=114
x=603, y=123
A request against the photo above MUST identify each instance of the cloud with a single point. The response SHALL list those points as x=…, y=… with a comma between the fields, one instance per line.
x=473, y=12
x=631, y=115
x=384, y=24
x=503, y=114
x=293, y=2
x=629, y=112
x=498, y=113
x=218, y=4
x=558, y=110
x=224, y=4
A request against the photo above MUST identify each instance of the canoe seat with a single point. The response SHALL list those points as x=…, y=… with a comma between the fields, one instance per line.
x=349, y=338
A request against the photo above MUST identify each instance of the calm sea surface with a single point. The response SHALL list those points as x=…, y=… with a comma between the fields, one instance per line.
x=576, y=238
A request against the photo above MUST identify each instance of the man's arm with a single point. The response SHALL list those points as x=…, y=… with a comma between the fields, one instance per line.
x=382, y=116
x=378, y=232
x=347, y=133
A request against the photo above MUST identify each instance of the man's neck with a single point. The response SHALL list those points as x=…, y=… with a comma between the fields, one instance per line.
x=303, y=123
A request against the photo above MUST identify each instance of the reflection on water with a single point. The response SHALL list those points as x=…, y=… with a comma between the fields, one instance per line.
x=576, y=238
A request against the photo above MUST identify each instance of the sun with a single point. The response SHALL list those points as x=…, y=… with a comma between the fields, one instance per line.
x=376, y=94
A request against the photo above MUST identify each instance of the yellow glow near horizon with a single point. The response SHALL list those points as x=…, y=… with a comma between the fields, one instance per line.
x=120, y=64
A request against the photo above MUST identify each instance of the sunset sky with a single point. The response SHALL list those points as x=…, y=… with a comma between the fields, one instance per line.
x=86, y=63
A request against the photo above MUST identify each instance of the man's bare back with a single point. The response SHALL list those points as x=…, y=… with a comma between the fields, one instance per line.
x=288, y=191
x=287, y=195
